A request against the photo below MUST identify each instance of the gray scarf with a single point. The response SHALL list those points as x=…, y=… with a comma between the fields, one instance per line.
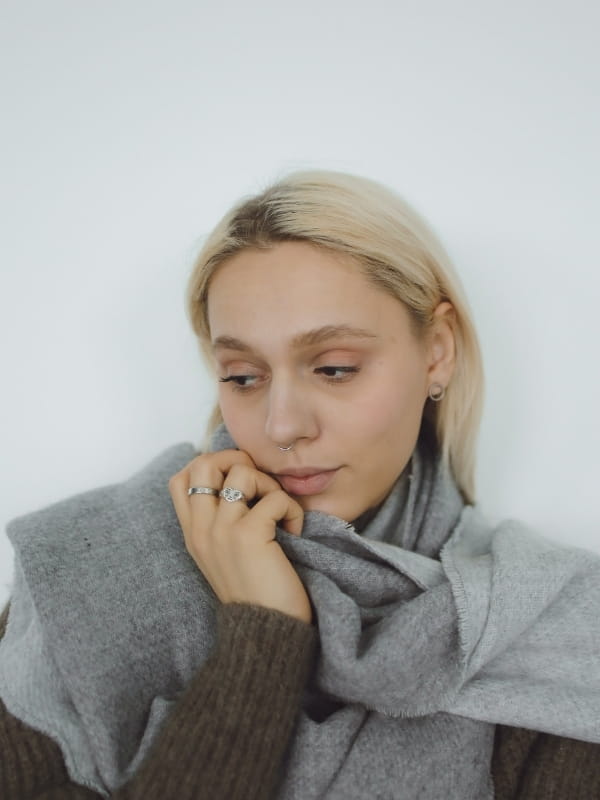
x=433, y=625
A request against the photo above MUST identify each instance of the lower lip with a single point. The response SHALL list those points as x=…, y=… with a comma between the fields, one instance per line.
x=311, y=484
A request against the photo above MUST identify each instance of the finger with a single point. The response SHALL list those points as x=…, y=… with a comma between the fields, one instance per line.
x=204, y=470
x=210, y=469
x=275, y=507
x=252, y=483
x=178, y=486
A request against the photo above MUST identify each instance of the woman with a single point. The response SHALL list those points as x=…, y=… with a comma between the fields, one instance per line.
x=348, y=625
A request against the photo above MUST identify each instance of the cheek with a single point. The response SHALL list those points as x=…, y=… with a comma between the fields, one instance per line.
x=241, y=418
x=230, y=410
x=390, y=409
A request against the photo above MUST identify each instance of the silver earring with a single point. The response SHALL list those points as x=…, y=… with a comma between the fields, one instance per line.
x=436, y=392
x=285, y=449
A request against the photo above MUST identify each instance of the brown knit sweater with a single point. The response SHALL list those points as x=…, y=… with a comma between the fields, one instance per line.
x=226, y=738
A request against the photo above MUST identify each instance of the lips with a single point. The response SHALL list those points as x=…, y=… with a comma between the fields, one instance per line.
x=304, y=482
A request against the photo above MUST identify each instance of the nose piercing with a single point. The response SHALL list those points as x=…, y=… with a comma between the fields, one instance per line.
x=285, y=449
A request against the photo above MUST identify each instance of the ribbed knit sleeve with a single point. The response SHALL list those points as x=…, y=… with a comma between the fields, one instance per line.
x=529, y=765
x=226, y=737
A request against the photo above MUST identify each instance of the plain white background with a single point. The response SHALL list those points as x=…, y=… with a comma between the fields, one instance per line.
x=129, y=127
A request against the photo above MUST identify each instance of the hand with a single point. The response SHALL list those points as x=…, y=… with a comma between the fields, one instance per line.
x=234, y=546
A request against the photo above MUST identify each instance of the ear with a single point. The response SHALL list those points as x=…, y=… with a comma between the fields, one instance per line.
x=442, y=345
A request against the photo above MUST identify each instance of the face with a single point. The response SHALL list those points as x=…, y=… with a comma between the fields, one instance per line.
x=309, y=353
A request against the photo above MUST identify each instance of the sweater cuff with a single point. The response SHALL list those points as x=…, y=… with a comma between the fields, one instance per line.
x=254, y=637
x=227, y=736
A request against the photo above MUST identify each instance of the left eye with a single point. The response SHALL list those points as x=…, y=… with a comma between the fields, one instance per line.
x=336, y=373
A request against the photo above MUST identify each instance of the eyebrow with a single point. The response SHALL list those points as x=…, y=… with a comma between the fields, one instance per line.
x=307, y=339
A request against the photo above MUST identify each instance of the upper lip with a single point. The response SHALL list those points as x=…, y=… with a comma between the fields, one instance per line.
x=302, y=472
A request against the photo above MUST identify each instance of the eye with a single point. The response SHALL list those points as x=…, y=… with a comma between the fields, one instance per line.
x=336, y=374
x=240, y=382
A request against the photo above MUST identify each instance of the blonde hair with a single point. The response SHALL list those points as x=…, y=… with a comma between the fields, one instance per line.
x=397, y=252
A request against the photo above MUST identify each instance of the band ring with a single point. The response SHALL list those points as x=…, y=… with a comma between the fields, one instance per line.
x=203, y=490
x=231, y=495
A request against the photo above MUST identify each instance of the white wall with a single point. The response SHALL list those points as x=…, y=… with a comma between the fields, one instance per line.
x=128, y=127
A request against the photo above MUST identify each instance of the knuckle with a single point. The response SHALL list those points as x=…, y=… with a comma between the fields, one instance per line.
x=174, y=488
x=241, y=457
x=175, y=479
x=280, y=496
x=191, y=463
x=200, y=470
x=199, y=462
x=240, y=472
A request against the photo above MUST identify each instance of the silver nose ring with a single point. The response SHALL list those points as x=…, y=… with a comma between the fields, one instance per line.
x=285, y=449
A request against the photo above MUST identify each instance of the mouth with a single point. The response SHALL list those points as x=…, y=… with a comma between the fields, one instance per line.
x=305, y=481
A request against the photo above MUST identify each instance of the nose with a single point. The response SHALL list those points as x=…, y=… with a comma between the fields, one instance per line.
x=290, y=415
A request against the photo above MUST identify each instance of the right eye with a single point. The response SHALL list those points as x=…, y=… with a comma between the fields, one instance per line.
x=240, y=382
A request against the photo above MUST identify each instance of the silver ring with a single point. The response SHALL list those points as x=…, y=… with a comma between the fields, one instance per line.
x=231, y=495
x=202, y=490
x=285, y=449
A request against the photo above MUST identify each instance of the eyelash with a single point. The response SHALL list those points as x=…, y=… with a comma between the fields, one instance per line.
x=239, y=387
x=347, y=372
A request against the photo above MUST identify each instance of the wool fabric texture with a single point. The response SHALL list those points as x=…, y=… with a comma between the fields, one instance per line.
x=225, y=738
x=433, y=625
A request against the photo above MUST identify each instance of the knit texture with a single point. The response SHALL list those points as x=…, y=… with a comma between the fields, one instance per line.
x=225, y=738
x=526, y=765
x=111, y=621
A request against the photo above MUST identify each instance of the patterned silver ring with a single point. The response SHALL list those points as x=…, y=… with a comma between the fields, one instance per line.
x=202, y=490
x=231, y=495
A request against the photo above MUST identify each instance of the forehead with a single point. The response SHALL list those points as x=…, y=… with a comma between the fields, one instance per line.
x=280, y=266
x=293, y=287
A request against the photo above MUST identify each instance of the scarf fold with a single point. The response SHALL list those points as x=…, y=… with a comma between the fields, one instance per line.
x=433, y=626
